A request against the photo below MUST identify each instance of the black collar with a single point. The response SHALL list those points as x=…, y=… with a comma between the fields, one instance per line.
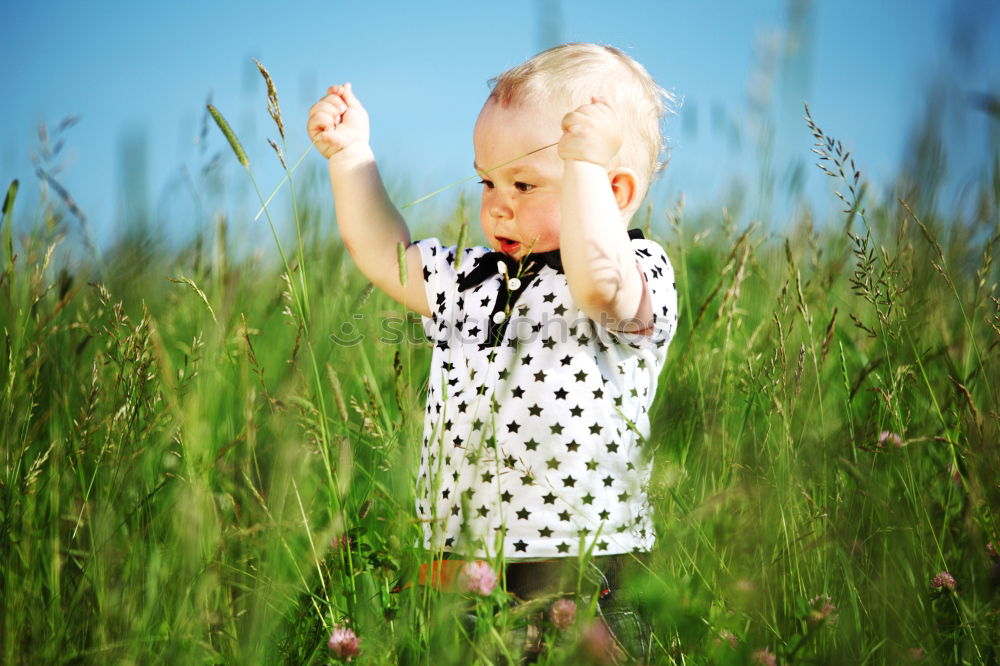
x=488, y=265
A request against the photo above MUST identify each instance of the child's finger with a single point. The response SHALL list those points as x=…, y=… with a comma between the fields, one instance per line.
x=334, y=103
x=349, y=96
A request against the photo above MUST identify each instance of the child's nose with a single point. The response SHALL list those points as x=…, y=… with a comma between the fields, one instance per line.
x=499, y=209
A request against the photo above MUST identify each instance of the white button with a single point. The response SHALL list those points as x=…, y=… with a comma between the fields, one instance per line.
x=502, y=268
x=499, y=317
x=514, y=284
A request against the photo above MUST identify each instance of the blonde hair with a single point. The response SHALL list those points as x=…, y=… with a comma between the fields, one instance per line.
x=573, y=73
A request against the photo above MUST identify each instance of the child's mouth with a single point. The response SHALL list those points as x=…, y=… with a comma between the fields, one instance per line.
x=508, y=246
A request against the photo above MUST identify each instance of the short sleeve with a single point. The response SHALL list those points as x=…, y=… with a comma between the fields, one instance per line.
x=440, y=277
x=659, y=275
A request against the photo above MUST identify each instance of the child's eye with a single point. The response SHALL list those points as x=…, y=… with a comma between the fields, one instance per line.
x=524, y=187
x=487, y=183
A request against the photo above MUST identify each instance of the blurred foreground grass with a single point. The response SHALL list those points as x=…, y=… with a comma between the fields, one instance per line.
x=204, y=470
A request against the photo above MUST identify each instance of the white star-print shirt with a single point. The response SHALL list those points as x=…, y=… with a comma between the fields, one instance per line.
x=534, y=446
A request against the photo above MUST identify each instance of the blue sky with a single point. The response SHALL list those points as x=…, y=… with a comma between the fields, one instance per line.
x=140, y=74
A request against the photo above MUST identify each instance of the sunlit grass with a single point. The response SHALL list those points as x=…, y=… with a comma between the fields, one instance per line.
x=202, y=470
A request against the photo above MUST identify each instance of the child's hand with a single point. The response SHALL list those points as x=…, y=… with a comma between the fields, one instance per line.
x=337, y=121
x=591, y=133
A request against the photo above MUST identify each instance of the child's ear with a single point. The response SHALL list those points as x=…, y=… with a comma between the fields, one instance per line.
x=624, y=185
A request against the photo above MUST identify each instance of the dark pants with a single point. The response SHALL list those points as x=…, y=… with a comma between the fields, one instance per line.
x=602, y=577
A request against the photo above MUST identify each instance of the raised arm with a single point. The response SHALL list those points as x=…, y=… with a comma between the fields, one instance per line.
x=369, y=223
x=604, y=278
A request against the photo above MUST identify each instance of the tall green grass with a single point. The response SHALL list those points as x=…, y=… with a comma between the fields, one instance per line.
x=195, y=470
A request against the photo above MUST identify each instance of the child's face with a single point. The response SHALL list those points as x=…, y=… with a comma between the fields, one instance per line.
x=520, y=206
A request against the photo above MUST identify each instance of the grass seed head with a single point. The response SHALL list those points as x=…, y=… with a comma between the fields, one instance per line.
x=277, y=150
x=401, y=258
x=272, y=100
x=227, y=131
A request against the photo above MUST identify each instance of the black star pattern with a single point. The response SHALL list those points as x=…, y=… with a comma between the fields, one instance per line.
x=598, y=381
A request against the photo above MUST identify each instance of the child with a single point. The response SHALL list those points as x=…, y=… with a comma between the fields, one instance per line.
x=548, y=343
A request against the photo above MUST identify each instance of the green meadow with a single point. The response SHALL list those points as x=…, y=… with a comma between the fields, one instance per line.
x=209, y=456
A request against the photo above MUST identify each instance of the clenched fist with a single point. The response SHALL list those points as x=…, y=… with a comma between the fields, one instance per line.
x=338, y=121
x=591, y=133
